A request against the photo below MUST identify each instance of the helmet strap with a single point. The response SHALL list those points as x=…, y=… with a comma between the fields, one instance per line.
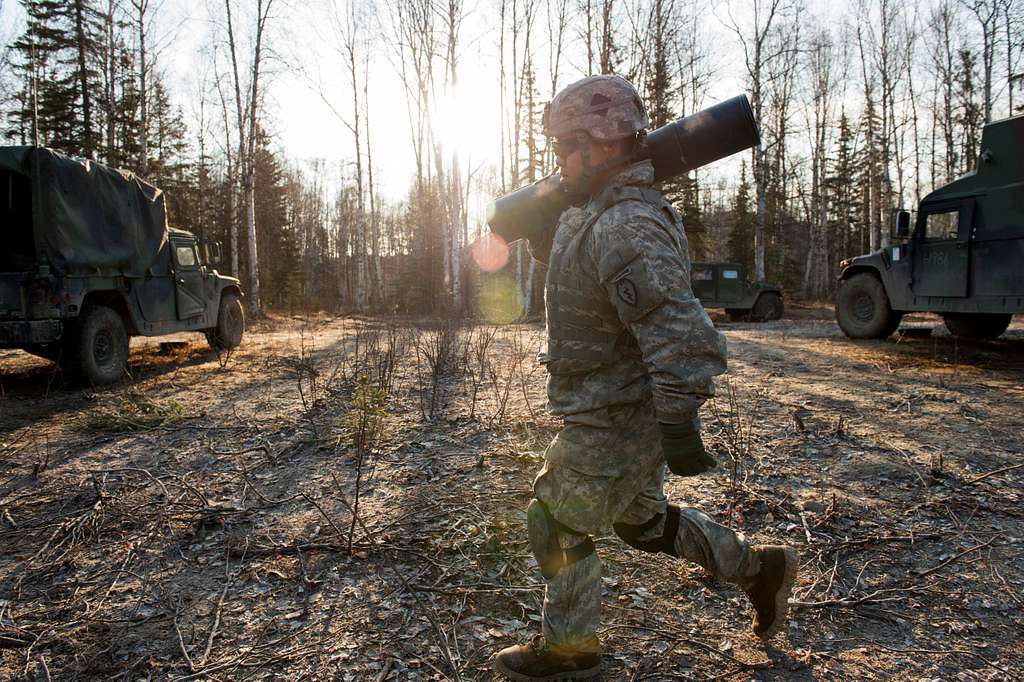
x=590, y=171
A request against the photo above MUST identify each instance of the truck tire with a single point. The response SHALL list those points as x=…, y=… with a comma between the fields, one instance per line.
x=768, y=307
x=738, y=314
x=863, y=310
x=977, y=325
x=97, y=347
x=230, y=324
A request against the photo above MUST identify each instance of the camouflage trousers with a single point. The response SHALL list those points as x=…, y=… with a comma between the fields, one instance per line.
x=607, y=467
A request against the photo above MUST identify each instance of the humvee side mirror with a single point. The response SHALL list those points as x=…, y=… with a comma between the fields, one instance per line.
x=213, y=253
x=903, y=224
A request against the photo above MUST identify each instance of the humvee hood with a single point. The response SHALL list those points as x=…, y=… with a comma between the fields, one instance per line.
x=89, y=217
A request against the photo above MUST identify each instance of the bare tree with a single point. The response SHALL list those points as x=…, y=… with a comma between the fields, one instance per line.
x=247, y=114
x=141, y=8
x=1013, y=26
x=986, y=12
x=756, y=57
x=607, y=55
x=942, y=31
x=820, y=58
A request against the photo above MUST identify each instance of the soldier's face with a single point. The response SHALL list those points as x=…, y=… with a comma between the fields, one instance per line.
x=569, y=159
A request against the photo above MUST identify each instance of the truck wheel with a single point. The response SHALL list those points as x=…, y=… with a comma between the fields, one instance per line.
x=738, y=314
x=977, y=325
x=767, y=307
x=97, y=351
x=863, y=310
x=230, y=324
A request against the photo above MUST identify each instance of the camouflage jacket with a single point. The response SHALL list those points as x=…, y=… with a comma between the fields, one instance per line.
x=623, y=324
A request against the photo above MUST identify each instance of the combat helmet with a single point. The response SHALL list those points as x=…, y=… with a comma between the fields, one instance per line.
x=607, y=108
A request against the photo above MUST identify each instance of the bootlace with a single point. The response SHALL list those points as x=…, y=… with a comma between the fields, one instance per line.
x=536, y=643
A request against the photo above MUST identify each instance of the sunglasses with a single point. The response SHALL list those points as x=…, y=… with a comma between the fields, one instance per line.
x=563, y=148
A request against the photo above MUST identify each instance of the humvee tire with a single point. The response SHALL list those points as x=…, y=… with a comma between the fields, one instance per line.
x=863, y=310
x=977, y=325
x=97, y=350
x=230, y=324
x=767, y=307
x=738, y=314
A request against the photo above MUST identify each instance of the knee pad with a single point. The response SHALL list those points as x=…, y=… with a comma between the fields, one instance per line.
x=544, y=531
x=666, y=543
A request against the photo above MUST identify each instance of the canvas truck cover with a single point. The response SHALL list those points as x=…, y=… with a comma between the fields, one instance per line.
x=89, y=217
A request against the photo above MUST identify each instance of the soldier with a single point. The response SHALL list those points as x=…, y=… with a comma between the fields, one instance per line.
x=631, y=356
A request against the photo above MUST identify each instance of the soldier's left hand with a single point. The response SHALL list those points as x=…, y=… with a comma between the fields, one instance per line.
x=684, y=450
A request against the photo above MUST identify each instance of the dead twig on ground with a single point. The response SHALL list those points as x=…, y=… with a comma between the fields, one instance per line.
x=982, y=477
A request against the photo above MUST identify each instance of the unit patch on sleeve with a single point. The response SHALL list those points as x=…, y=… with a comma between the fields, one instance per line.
x=626, y=291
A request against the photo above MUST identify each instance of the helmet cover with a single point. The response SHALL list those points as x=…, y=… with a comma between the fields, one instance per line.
x=607, y=108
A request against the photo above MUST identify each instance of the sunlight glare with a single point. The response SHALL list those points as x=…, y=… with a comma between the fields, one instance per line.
x=500, y=301
x=490, y=252
x=464, y=124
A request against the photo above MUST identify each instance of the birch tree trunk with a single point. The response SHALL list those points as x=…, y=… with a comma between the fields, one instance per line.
x=141, y=7
x=247, y=117
x=359, y=240
x=755, y=59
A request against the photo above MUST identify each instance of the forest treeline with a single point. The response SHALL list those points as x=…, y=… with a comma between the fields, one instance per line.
x=863, y=108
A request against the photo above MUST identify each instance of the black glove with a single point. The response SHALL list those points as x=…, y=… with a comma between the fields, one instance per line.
x=684, y=449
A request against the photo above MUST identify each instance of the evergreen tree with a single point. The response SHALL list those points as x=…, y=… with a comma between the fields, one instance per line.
x=659, y=86
x=972, y=116
x=689, y=207
x=277, y=241
x=842, y=192
x=55, y=59
x=741, y=238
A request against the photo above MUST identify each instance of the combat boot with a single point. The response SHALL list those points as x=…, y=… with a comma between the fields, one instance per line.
x=536, y=660
x=770, y=587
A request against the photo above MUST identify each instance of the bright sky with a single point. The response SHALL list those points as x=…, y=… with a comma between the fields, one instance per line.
x=306, y=69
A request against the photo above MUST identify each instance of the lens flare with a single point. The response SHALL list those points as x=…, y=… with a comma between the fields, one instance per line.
x=490, y=252
x=500, y=302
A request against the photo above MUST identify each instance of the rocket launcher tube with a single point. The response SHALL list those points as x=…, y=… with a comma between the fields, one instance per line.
x=673, y=149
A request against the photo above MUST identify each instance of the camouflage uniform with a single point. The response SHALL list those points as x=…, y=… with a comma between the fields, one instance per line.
x=628, y=346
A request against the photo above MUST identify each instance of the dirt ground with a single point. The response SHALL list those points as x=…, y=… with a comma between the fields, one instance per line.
x=271, y=514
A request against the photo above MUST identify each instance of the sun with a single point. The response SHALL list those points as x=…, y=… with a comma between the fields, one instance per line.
x=466, y=122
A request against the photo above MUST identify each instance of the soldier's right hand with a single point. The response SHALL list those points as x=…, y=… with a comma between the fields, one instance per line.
x=684, y=450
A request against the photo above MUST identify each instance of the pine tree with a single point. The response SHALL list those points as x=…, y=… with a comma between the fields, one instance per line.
x=842, y=192
x=659, y=86
x=55, y=59
x=277, y=240
x=971, y=116
x=741, y=238
x=689, y=207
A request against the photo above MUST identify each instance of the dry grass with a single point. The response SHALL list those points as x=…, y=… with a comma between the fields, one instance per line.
x=201, y=530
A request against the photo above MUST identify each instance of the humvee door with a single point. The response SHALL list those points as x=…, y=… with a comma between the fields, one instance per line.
x=188, y=281
x=941, y=248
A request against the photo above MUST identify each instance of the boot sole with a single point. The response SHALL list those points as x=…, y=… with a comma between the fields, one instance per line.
x=782, y=595
x=584, y=674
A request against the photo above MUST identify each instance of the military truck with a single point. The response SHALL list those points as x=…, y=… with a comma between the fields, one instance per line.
x=88, y=261
x=964, y=258
x=725, y=285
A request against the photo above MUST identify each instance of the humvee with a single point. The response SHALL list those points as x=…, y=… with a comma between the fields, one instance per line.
x=88, y=261
x=724, y=285
x=964, y=258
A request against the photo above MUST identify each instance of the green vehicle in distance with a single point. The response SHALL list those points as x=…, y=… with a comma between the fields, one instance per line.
x=88, y=261
x=725, y=285
x=964, y=258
